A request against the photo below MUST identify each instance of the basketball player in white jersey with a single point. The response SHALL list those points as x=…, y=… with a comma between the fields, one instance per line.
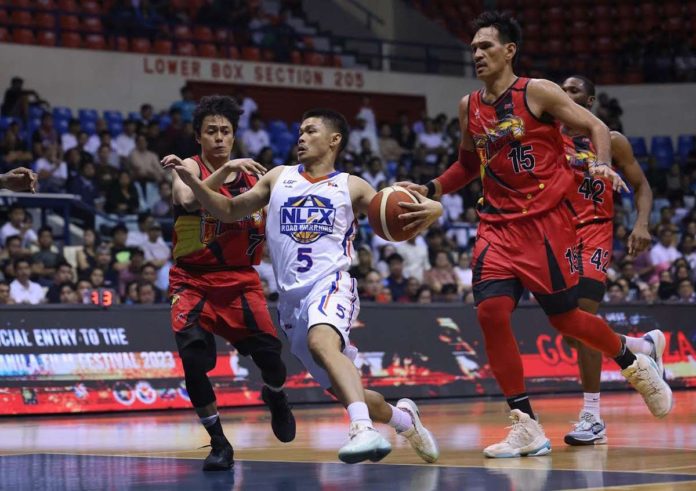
x=311, y=223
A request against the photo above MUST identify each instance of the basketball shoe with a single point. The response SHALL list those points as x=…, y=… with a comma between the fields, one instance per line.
x=589, y=430
x=644, y=375
x=526, y=439
x=364, y=443
x=221, y=456
x=417, y=435
x=282, y=419
x=657, y=339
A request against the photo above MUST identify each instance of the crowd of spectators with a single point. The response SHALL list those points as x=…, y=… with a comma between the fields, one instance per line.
x=120, y=175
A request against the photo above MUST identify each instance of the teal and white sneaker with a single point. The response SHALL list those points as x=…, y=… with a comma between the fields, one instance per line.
x=657, y=339
x=526, y=439
x=422, y=441
x=587, y=431
x=365, y=443
x=644, y=375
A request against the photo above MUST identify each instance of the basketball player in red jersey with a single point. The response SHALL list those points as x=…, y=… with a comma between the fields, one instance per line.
x=526, y=238
x=593, y=203
x=213, y=286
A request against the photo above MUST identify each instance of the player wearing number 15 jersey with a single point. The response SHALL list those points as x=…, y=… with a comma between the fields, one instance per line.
x=592, y=199
x=311, y=221
x=511, y=138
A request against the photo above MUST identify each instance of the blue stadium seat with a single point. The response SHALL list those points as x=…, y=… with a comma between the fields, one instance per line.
x=5, y=122
x=61, y=125
x=113, y=116
x=115, y=128
x=685, y=145
x=295, y=128
x=62, y=112
x=661, y=148
x=88, y=115
x=640, y=148
x=165, y=121
x=276, y=127
x=89, y=127
x=35, y=111
x=34, y=123
x=135, y=115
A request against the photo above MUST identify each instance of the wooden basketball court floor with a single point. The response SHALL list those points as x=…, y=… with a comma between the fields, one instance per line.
x=159, y=450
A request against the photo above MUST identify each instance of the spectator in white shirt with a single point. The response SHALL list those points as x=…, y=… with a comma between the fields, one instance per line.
x=22, y=289
x=136, y=238
x=125, y=142
x=464, y=272
x=52, y=170
x=368, y=115
x=453, y=207
x=105, y=139
x=249, y=107
x=360, y=132
x=95, y=139
x=664, y=253
x=255, y=138
x=415, y=254
x=18, y=224
x=156, y=249
x=69, y=138
x=432, y=141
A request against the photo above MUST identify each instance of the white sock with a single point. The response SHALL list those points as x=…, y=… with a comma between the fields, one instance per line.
x=208, y=421
x=592, y=403
x=639, y=345
x=400, y=420
x=357, y=411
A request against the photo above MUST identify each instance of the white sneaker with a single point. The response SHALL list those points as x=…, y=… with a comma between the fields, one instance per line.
x=587, y=431
x=417, y=435
x=644, y=375
x=365, y=443
x=657, y=338
x=526, y=439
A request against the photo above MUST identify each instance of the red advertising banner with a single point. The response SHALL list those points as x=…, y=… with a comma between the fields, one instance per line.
x=58, y=360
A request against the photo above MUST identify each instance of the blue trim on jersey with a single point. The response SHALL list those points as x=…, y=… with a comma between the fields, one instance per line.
x=321, y=305
x=352, y=303
x=349, y=233
x=300, y=169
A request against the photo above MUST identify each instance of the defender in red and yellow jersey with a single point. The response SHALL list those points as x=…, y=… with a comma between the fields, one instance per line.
x=213, y=286
x=511, y=135
x=592, y=199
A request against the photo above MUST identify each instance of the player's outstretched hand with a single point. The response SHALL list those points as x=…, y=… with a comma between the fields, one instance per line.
x=605, y=170
x=639, y=240
x=248, y=166
x=423, y=214
x=174, y=163
x=417, y=188
x=19, y=179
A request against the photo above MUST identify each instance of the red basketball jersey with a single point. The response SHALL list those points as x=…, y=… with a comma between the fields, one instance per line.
x=202, y=242
x=523, y=166
x=593, y=197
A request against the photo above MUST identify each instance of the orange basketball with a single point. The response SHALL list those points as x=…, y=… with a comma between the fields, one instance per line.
x=384, y=210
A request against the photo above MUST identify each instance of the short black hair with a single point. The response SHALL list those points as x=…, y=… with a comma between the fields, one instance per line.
x=45, y=228
x=216, y=105
x=395, y=257
x=119, y=227
x=587, y=84
x=509, y=30
x=335, y=119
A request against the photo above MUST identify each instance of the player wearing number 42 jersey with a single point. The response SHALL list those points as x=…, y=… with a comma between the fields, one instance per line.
x=512, y=139
x=592, y=200
x=311, y=221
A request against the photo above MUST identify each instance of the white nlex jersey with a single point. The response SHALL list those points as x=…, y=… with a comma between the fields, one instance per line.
x=309, y=230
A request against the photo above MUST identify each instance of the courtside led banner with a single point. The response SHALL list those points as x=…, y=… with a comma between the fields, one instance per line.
x=58, y=360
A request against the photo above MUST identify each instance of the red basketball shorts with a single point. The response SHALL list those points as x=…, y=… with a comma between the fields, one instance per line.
x=594, y=255
x=230, y=304
x=537, y=253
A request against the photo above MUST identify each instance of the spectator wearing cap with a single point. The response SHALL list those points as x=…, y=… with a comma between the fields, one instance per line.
x=396, y=281
x=22, y=289
x=156, y=249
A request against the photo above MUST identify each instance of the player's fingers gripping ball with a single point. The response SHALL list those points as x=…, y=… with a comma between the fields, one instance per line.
x=384, y=210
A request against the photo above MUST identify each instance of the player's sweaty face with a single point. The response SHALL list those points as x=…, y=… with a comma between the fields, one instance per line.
x=314, y=139
x=488, y=52
x=575, y=90
x=217, y=136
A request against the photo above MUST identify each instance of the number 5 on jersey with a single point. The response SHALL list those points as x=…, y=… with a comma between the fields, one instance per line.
x=303, y=256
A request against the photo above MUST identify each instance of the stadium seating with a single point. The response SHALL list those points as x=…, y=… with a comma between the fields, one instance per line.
x=661, y=148
x=640, y=148
x=685, y=145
